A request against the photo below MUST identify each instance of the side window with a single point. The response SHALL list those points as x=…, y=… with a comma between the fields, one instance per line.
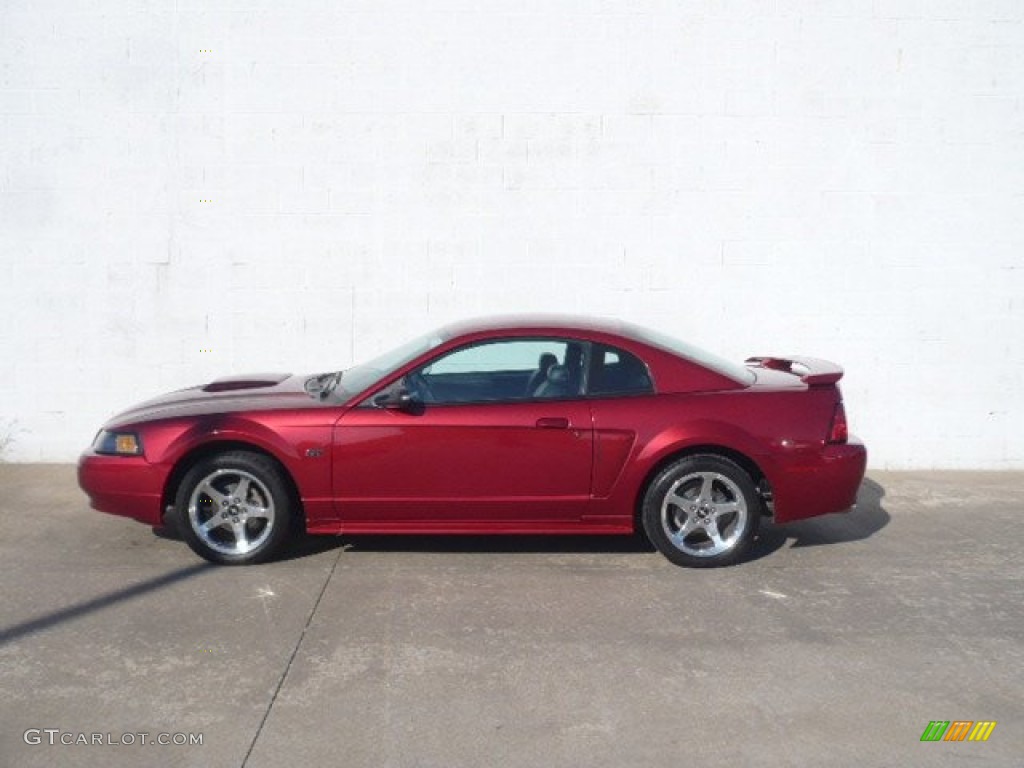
x=497, y=371
x=617, y=372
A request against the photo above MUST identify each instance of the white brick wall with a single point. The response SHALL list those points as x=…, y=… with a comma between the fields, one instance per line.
x=843, y=179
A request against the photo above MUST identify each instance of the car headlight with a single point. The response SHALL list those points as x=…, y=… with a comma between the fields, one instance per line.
x=118, y=443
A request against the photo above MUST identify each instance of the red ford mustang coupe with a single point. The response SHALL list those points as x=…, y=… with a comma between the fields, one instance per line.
x=538, y=426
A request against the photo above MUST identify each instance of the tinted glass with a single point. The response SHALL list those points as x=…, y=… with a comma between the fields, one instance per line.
x=700, y=356
x=507, y=370
x=499, y=356
x=359, y=378
x=617, y=372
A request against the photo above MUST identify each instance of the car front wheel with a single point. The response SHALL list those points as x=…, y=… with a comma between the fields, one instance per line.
x=234, y=508
x=702, y=511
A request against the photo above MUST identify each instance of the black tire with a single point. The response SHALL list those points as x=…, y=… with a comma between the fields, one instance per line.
x=696, y=498
x=235, y=530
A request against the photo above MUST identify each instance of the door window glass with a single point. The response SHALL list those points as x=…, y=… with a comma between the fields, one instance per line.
x=506, y=370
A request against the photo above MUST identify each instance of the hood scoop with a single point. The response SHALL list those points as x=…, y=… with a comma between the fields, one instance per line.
x=247, y=381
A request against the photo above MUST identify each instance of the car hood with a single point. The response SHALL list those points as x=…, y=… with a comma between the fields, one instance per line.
x=232, y=394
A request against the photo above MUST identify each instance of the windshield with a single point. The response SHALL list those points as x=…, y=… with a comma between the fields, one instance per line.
x=700, y=356
x=359, y=378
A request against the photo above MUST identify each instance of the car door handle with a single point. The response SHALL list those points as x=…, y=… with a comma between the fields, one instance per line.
x=553, y=422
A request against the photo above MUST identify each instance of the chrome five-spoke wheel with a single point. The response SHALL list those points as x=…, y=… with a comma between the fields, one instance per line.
x=701, y=511
x=234, y=508
x=704, y=514
x=231, y=511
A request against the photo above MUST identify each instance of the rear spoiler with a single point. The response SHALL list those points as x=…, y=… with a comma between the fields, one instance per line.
x=812, y=371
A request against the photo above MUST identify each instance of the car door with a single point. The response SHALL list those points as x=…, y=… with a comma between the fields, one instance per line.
x=481, y=447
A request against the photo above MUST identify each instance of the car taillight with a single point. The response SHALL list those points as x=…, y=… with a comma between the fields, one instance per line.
x=838, y=432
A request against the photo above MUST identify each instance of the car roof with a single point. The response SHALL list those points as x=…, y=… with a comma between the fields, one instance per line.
x=674, y=370
x=545, y=322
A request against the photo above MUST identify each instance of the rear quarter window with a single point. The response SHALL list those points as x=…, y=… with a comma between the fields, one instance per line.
x=734, y=371
x=617, y=372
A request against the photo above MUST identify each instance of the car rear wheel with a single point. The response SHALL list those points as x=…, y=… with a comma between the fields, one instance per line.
x=702, y=511
x=234, y=508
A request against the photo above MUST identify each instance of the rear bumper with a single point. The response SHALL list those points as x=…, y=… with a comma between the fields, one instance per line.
x=122, y=485
x=824, y=483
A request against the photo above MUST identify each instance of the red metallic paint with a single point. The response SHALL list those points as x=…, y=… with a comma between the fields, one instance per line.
x=122, y=485
x=558, y=466
x=464, y=464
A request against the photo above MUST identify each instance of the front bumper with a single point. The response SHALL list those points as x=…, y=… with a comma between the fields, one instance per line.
x=123, y=485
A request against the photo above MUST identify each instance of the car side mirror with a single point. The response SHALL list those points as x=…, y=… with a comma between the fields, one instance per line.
x=397, y=398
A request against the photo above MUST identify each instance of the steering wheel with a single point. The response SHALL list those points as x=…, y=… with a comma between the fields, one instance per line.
x=416, y=383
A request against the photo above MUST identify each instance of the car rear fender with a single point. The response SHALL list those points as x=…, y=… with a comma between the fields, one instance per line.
x=705, y=436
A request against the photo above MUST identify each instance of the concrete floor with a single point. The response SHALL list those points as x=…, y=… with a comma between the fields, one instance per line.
x=835, y=645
